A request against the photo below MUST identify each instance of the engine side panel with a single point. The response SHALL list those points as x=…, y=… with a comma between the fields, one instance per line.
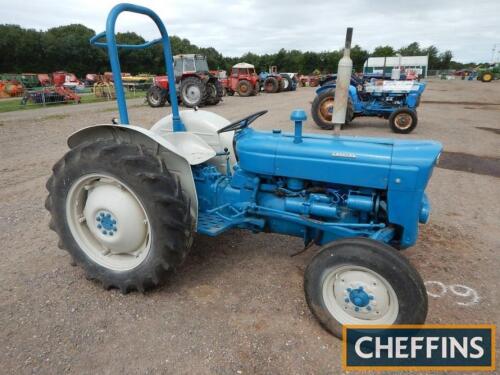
x=326, y=159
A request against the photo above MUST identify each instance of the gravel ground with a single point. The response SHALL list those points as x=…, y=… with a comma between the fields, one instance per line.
x=236, y=306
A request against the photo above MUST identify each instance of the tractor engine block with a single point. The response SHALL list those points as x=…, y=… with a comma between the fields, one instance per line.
x=278, y=204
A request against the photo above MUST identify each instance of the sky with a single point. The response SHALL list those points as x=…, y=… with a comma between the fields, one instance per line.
x=470, y=29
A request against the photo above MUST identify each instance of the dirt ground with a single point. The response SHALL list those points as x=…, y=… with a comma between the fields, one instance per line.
x=237, y=305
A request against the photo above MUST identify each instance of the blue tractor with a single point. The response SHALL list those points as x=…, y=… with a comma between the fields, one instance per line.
x=126, y=201
x=396, y=101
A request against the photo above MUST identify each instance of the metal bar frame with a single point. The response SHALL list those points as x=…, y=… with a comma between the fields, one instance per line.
x=112, y=47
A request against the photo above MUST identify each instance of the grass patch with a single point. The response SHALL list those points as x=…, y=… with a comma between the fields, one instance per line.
x=10, y=105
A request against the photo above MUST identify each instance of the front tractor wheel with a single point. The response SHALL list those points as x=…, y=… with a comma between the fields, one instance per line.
x=362, y=281
x=156, y=97
x=244, y=88
x=120, y=214
x=403, y=120
x=214, y=92
x=193, y=91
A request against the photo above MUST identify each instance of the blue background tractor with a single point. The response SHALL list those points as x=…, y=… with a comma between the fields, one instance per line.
x=396, y=101
x=126, y=201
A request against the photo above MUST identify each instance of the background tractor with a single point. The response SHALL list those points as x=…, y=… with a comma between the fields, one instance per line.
x=274, y=82
x=490, y=73
x=396, y=101
x=194, y=83
x=126, y=201
x=243, y=80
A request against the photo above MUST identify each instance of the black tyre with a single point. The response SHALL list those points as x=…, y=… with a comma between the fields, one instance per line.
x=120, y=214
x=322, y=110
x=214, y=92
x=271, y=85
x=487, y=77
x=192, y=92
x=363, y=281
x=403, y=120
x=244, y=88
x=286, y=82
x=156, y=97
x=256, y=88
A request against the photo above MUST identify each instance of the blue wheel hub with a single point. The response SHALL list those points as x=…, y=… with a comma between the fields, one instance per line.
x=359, y=298
x=106, y=223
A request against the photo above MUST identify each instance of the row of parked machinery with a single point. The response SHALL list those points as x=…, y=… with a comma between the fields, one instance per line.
x=196, y=85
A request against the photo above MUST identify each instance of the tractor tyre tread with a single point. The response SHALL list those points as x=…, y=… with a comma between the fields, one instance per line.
x=248, y=92
x=271, y=85
x=155, y=90
x=324, y=123
x=203, y=91
x=286, y=77
x=374, y=255
x=219, y=92
x=160, y=194
x=409, y=111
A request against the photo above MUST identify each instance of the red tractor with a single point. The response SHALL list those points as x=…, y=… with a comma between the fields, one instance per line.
x=195, y=85
x=243, y=80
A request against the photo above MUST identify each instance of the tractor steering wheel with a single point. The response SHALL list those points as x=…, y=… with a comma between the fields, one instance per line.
x=243, y=123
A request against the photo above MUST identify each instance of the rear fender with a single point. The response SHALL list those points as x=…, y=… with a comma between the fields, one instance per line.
x=178, y=150
x=204, y=124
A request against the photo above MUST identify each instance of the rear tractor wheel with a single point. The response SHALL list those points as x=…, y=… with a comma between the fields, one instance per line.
x=322, y=110
x=486, y=77
x=287, y=82
x=120, y=214
x=193, y=92
x=271, y=85
x=363, y=281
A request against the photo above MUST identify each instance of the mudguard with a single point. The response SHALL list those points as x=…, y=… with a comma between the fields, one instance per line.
x=179, y=150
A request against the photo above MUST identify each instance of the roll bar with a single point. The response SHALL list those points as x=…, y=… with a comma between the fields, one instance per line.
x=112, y=47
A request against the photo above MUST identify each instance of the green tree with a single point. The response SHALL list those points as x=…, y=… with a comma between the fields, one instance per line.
x=445, y=60
x=383, y=51
x=67, y=48
x=358, y=57
x=412, y=49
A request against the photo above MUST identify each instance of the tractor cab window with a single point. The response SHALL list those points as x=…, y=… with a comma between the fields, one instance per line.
x=178, y=67
x=243, y=71
x=251, y=71
x=189, y=65
x=201, y=65
x=234, y=72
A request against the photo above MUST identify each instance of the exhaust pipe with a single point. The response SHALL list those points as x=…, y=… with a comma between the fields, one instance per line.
x=344, y=72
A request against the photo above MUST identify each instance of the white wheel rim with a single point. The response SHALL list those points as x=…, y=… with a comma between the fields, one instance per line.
x=403, y=121
x=358, y=295
x=108, y=222
x=154, y=98
x=285, y=83
x=192, y=94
